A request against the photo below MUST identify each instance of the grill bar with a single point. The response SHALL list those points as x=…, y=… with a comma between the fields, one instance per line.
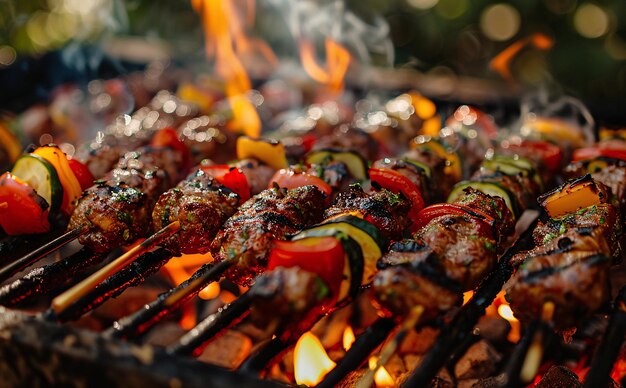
x=193, y=342
x=168, y=302
x=360, y=351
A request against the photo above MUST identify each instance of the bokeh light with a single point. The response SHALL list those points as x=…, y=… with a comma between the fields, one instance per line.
x=591, y=21
x=422, y=4
x=451, y=9
x=500, y=22
x=7, y=55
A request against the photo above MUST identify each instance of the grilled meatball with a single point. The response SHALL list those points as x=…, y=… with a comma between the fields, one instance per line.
x=293, y=295
x=115, y=214
x=571, y=271
x=410, y=276
x=495, y=207
x=201, y=205
x=257, y=174
x=465, y=254
x=274, y=213
x=385, y=210
x=411, y=171
x=602, y=218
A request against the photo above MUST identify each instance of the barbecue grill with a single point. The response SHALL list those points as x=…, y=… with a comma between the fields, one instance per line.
x=138, y=326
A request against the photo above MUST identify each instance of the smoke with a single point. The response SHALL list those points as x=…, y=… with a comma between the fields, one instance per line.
x=368, y=41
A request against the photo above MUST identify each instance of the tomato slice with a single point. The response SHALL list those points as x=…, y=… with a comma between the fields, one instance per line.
x=321, y=255
x=22, y=210
x=594, y=152
x=398, y=183
x=485, y=223
x=551, y=155
x=167, y=137
x=231, y=177
x=82, y=173
x=290, y=179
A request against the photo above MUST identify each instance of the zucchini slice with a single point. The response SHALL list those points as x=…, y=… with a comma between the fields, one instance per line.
x=369, y=238
x=491, y=188
x=513, y=165
x=42, y=177
x=425, y=169
x=353, y=161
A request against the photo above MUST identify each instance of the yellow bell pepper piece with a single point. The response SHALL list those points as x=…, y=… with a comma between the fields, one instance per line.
x=270, y=152
x=71, y=186
x=453, y=160
x=572, y=196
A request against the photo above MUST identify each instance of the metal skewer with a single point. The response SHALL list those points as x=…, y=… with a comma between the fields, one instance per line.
x=40, y=253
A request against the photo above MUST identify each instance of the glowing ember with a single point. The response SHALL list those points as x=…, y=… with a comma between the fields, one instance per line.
x=348, y=338
x=337, y=62
x=382, y=378
x=311, y=363
x=221, y=28
x=502, y=62
x=210, y=292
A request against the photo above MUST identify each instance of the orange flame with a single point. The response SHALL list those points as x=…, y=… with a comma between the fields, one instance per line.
x=348, y=338
x=382, y=378
x=179, y=269
x=223, y=31
x=467, y=296
x=502, y=62
x=504, y=310
x=337, y=62
x=310, y=360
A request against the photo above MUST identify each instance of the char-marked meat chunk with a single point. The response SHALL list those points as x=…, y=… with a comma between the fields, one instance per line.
x=115, y=214
x=247, y=236
x=201, y=205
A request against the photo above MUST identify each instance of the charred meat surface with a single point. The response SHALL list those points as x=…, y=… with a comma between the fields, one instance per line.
x=201, y=205
x=465, y=253
x=409, y=278
x=571, y=271
x=602, y=218
x=384, y=209
x=293, y=295
x=437, y=164
x=115, y=214
x=247, y=236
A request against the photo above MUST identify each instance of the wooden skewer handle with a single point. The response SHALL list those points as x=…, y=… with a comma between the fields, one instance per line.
x=63, y=301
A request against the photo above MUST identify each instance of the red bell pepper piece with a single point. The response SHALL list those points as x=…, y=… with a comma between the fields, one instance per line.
x=82, y=173
x=594, y=152
x=398, y=183
x=167, y=137
x=231, y=177
x=323, y=256
x=290, y=179
x=22, y=210
x=485, y=223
